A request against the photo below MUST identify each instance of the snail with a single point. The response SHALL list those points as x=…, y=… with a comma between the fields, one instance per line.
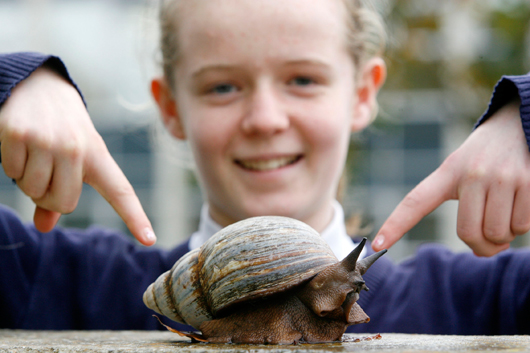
x=265, y=279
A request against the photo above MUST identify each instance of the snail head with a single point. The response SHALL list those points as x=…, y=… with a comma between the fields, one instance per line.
x=333, y=293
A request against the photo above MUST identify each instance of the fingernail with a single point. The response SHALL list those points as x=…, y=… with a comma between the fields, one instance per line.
x=149, y=234
x=379, y=240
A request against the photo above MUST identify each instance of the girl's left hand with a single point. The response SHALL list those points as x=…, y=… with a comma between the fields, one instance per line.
x=489, y=175
x=50, y=146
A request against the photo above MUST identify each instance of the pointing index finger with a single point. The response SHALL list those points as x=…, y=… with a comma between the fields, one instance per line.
x=419, y=202
x=108, y=179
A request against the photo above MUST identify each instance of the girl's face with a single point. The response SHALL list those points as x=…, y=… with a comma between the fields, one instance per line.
x=265, y=94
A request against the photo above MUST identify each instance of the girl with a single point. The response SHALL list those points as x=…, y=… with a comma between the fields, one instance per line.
x=266, y=93
x=267, y=96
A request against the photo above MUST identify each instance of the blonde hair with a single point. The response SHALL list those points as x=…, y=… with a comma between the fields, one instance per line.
x=366, y=36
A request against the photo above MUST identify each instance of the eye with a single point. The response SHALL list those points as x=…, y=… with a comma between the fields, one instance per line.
x=302, y=81
x=360, y=285
x=223, y=88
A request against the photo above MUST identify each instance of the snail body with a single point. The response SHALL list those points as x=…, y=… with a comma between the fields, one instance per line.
x=264, y=280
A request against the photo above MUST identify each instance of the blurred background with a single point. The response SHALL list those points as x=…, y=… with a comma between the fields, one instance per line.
x=444, y=58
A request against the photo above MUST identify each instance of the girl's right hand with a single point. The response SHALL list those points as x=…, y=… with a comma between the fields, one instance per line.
x=489, y=175
x=49, y=146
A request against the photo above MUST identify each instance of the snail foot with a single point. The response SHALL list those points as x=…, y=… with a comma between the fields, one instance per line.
x=195, y=337
x=235, y=329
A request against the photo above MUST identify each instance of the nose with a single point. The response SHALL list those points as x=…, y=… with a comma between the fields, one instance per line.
x=264, y=114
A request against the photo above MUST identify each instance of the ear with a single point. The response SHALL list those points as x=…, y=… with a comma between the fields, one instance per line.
x=168, y=107
x=371, y=79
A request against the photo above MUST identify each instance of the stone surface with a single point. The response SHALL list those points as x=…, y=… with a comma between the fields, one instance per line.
x=146, y=341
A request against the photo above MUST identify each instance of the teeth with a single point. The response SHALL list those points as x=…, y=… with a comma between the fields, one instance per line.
x=268, y=164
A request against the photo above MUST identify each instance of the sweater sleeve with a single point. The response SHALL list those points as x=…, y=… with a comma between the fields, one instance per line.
x=18, y=262
x=508, y=88
x=15, y=67
x=75, y=279
x=440, y=292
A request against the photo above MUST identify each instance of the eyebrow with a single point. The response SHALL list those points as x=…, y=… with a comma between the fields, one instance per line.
x=315, y=62
x=321, y=65
x=226, y=67
x=219, y=67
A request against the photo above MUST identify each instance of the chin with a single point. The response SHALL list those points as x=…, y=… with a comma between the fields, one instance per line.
x=275, y=209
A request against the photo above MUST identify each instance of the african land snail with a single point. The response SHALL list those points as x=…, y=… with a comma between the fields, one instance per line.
x=264, y=280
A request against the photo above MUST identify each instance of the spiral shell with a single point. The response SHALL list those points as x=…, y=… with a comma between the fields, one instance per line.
x=249, y=259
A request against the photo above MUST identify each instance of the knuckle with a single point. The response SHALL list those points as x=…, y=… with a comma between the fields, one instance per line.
x=67, y=207
x=412, y=200
x=466, y=232
x=475, y=174
x=33, y=190
x=43, y=142
x=495, y=234
x=120, y=196
x=72, y=150
x=32, y=193
x=525, y=182
x=50, y=202
x=499, y=235
x=504, y=176
x=12, y=171
x=124, y=191
x=38, y=137
x=520, y=227
x=15, y=132
x=449, y=162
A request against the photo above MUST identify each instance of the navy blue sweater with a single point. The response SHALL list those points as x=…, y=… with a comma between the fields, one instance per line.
x=95, y=278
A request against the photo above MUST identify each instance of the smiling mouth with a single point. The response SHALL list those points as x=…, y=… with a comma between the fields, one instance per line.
x=268, y=164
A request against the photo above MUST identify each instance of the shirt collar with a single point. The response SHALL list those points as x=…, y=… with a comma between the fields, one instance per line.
x=334, y=234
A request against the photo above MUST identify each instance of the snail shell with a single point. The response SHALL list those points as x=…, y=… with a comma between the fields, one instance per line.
x=253, y=258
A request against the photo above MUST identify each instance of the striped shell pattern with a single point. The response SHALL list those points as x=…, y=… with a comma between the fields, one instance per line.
x=249, y=259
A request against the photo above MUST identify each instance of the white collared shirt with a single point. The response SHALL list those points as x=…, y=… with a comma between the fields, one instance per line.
x=334, y=234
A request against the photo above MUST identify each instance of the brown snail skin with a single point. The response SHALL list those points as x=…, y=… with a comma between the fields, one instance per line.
x=264, y=280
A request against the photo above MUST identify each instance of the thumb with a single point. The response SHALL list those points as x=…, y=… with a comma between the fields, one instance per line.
x=45, y=220
x=108, y=179
x=419, y=202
